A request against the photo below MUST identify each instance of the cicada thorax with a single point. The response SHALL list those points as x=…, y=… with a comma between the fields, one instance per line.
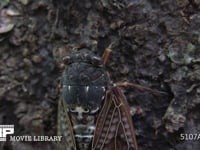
x=84, y=87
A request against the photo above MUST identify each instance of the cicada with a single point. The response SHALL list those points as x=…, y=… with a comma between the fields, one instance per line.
x=93, y=113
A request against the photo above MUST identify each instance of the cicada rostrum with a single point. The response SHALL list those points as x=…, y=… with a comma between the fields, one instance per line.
x=93, y=113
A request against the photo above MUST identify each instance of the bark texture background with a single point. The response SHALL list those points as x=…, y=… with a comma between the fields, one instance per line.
x=156, y=43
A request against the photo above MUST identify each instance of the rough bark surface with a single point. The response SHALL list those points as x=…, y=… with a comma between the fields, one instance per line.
x=155, y=43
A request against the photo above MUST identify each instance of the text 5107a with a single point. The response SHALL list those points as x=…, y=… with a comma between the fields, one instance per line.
x=190, y=136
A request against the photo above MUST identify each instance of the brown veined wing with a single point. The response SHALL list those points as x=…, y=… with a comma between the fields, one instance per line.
x=114, y=127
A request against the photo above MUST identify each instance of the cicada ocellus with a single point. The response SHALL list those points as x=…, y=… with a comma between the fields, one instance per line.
x=93, y=113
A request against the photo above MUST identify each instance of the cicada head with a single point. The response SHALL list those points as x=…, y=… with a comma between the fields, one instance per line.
x=84, y=82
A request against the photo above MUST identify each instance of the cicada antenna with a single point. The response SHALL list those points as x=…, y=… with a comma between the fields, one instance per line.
x=140, y=87
x=106, y=54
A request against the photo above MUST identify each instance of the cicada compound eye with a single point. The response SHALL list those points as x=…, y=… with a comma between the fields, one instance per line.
x=96, y=60
x=67, y=60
